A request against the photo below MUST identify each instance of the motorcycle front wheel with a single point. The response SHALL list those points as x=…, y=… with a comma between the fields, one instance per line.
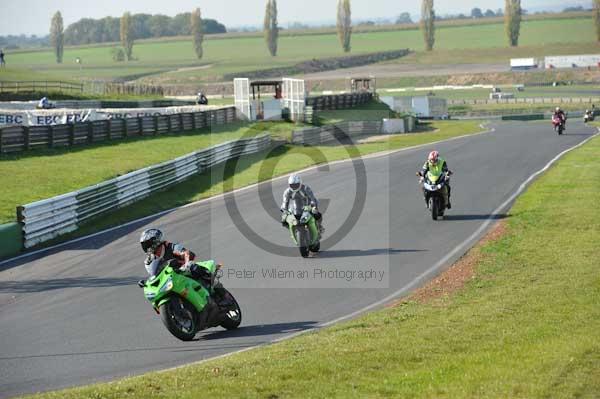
x=433, y=206
x=179, y=316
x=303, y=241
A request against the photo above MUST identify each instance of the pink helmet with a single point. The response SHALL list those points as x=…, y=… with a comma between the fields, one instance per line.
x=433, y=157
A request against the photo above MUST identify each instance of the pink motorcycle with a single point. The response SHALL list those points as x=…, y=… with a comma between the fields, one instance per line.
x=559, y=123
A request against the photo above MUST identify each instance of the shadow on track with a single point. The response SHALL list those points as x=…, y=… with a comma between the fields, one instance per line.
x=174, y=348
x=475, y=217
x=248, y=331
x=260, y=329
x=347, y=253
x=30, y=286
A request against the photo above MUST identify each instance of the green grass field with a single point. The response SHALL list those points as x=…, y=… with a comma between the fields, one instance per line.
x=52, y=172
x=526, y=325
x=373, y=111
x=174, y=61
x=483, y=110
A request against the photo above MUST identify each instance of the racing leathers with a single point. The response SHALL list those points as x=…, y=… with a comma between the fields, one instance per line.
x=182, y=259
x=294, y=202
x=441, y=166
x=561, y=116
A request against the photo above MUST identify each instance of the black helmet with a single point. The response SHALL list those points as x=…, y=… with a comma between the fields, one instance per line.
x=151, y=239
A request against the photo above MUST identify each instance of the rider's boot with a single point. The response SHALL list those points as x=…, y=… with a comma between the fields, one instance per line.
x=446, y=195
x=320, y=226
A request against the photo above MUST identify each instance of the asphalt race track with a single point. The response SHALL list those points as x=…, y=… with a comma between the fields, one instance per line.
x=74, y=315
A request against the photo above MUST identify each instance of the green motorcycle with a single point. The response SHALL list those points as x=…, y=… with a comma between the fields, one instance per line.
x=304, y=231
x=187, y=306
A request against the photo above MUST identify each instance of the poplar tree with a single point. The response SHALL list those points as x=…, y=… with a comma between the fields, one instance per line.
x=596, y=13
x=344, y=24
x=57, y=36
x=197, y=32
x=428, y=23
x=271, y=29
x=127, y=35
x=512, y=21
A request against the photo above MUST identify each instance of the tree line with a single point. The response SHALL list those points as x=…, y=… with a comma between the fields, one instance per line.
x=512, y=13
x=127, y=30
x=143, y=26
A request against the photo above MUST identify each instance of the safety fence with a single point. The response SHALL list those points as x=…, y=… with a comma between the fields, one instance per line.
x=537, y=100
x=46, y=219
x=338, y=101
x=527, y=115
x=37, y=86
x=24, y=138
x=345, y=132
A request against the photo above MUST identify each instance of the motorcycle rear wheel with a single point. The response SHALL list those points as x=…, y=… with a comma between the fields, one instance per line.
x=316, y=248
x=233, y=319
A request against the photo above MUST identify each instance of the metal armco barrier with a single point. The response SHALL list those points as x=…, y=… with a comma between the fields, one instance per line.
x=46, y=219
x=39, y=85
x=531, y=100
x=23, y=138
x=343, y=131
x=338, y=101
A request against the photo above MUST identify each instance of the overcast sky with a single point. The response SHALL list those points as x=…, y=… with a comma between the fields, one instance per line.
x=33, y=16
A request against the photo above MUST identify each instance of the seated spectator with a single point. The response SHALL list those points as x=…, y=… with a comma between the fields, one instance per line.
x=44, y=103
x=201, y=99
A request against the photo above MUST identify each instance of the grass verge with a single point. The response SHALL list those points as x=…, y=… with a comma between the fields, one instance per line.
x=372, y=111
x=52, y=172
x=252, y=169
x=524, y=325
x=507, y=109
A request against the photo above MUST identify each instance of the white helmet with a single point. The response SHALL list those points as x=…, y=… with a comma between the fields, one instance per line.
x=295, y=182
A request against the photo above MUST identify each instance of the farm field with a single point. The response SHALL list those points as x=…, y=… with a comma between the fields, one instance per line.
x=174, y=61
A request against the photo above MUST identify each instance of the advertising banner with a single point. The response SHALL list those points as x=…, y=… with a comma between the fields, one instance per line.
x=9, y=117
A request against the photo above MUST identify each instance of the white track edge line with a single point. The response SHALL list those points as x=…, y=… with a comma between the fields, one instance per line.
x=414, y=282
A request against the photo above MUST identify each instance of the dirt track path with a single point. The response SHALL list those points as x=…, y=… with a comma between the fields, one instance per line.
x=401, y=70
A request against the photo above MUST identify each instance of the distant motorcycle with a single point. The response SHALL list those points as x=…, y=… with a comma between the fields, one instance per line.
x=559, y=124
x=433, y=187
x=588, y=117
x=304, y=231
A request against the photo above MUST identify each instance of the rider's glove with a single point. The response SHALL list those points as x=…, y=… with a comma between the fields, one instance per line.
x=314, y=210
x=149, y=259
x=187, y=268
